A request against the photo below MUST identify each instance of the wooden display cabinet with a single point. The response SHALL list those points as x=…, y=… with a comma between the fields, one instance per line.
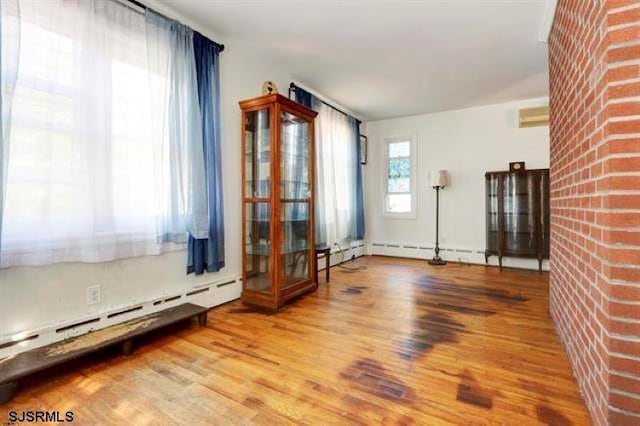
x=518, y=214
x=278, y=201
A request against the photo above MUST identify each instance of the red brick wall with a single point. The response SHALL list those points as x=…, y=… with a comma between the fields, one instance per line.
x=594, y=60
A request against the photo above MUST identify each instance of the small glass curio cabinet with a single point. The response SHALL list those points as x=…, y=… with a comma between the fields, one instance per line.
x=518, y=214
x=278, y=200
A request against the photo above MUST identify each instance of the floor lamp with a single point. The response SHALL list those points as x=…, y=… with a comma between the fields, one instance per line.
x=438, y=180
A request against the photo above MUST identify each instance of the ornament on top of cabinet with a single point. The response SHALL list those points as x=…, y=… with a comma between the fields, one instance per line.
x=517, y=166
x=269, y=88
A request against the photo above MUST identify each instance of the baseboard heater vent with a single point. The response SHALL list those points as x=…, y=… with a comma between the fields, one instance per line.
x=202, y=290
x=226, y=283
x=171, y=299
x=410, y=247
x=77, y=324
x=15, y=342
x=126, y=311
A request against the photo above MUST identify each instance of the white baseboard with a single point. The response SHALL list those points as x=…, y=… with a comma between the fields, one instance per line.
x=349, y=251
x=451, y=254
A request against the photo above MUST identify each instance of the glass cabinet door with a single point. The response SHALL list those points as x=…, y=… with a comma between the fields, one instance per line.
x=257, y=152
x=295, y=199
x=493, y=229
x=519, y=214
x=258, y=246
x=257, y=193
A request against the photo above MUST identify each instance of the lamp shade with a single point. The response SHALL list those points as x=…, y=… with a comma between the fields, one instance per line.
x=438, y=178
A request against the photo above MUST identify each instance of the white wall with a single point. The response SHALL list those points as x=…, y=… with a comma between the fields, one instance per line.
x=467, y=143
x=35, y=298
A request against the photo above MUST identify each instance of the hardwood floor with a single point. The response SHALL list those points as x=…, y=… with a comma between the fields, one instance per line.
x=401, y=342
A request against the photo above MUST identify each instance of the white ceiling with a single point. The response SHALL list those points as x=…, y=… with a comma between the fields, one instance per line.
x=383, y=59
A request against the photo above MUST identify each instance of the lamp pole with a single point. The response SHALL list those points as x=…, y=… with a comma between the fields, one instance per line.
x=437, y=260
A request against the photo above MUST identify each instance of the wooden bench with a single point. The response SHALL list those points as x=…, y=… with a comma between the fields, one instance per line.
x=26, y=363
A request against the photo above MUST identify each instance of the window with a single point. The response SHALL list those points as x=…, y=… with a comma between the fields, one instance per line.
x=91, y=161
x=399, y=197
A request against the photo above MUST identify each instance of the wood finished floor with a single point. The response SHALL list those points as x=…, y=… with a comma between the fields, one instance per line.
x=398, y=343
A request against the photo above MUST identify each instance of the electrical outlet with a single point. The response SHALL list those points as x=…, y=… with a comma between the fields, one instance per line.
x=93, y=295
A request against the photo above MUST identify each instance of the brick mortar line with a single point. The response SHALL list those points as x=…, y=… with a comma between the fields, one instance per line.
x=624, y=374
x=621, y=301
x=615, y=65
x=620, y=45
x=622, y=9
x=602, y=193
x=596, y=179
x=595, y=209
x=624, y=356
x=625, y=393
x=622, y=411
x=616, y=83
x=616, y=101
x=616, y=27
x=623, y=118
x=630, y=338
x=610, y=174
x=620, y=283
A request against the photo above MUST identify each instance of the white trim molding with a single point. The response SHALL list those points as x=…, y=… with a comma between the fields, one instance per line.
x=449, y=253
x=547, y=20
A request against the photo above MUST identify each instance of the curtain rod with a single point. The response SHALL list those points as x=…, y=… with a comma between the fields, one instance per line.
x=293, y=87
x=139, y=5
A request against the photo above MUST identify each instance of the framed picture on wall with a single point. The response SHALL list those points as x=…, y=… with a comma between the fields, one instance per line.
x=363, y=149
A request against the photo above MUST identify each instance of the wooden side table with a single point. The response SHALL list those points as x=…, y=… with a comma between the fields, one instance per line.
x=323, y=252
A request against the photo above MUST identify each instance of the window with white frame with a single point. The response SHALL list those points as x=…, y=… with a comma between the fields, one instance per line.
x=399, y=199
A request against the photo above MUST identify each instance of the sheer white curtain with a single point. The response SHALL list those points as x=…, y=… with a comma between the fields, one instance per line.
x=84, y=162
x=9, y=48
x=336, y=155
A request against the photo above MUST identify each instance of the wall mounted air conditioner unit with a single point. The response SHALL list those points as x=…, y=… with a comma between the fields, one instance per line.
x=532, y=117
